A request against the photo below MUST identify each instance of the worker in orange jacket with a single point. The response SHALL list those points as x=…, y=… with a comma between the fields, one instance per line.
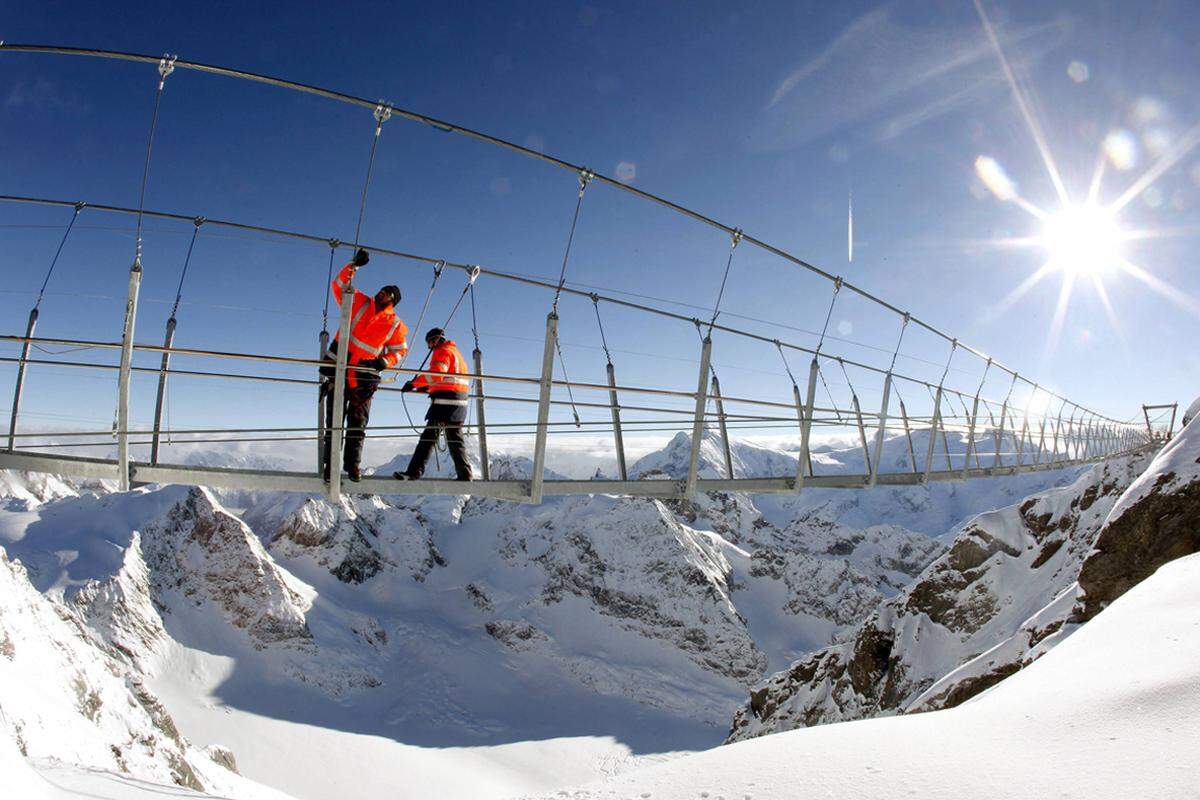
x=378, y=339
x=447, y=412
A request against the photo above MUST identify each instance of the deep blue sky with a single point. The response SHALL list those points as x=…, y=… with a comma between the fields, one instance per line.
x=765, y=117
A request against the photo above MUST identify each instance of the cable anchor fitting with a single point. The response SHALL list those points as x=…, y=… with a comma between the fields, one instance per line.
x=166, y=65
x=79, y=206
x=198, y=221
x=383, y=113
x=334, y=244
x=438, y=267
x=585, y=177
x=735, y=238
x=476, y=270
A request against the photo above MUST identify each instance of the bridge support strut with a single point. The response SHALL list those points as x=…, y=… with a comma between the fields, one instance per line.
x=131, y=302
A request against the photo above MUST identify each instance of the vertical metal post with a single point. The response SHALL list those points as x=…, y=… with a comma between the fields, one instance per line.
x=912, y=454
x=1021, y=439
x=1171, y=426
x=337, y=430
x=618, y=435
x=543, y=417
x=484, y=465
x=971, y=436
x=159, y=399
x=934, y=423
x=716, y=393
x=131, y=301
x=804, y=467
x=1069, y=438
x=862, y=434
x=1041, y=439
x=689, y=486
x=998, y=433
x=16, y=403
x=322, y=354
x=873, y=463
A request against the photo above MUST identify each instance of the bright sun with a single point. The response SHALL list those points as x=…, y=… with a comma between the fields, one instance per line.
x=1083, y=240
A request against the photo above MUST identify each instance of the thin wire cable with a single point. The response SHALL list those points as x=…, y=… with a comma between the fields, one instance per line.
x=333, y=246
x=600, y=325
x=786, y=366
x=896, y=352
x=166, y=66
x=186, y=261
x=733, y=243
x=837, y=287
x=474, y=320
x=585, y=177
x=562, y=365
x=382, y=114
x=54, y=261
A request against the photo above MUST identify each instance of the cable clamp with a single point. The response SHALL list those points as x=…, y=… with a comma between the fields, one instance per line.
x=198, y=221
x=585, y=177
x=383, y=113
x=837, y=284
x=438, y=267
x=595, y=298
x=79, y=206
x=907, y=317
x=475, y=272
x=736, y=237
x=166, y=65
x=334, y=244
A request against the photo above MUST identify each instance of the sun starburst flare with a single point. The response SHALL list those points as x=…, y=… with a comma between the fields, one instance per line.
x=1084, y=242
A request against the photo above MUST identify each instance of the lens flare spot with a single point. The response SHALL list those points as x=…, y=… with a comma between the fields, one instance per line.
x=1121, y=148
x=995, y=178
x=1078, y=71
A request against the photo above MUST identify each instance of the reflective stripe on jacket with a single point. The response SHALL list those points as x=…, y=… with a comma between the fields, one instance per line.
x=449, y=364
x=372, y=333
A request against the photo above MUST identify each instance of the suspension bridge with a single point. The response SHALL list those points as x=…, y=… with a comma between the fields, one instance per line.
x=1025, y=428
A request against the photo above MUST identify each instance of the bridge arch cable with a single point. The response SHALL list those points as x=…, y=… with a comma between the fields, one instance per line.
x=450, y=127
x=382, y=112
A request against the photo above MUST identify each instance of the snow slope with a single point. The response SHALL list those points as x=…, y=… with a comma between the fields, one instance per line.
x=1113, y=713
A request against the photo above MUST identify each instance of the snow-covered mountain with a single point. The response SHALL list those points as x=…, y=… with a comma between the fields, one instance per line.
x=419, y=622
x=1003, y=567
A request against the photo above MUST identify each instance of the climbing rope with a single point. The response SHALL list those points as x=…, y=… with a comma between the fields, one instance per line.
x=187, y=259
x=585, y=177
x=54, y=261
x=734, y=239
x=166, y=66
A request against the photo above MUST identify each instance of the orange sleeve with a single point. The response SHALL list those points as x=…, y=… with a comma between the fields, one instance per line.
x=397, y=346
x=341, y=282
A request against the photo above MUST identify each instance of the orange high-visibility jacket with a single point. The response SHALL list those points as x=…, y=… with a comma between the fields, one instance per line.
x=449, y=363
x=373, y=333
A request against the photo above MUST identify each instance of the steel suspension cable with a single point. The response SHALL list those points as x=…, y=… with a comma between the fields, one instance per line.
x=600, y=325
x=734, y=238
x=187, y=259
x=166, y=66
x=382, y=114
x=54, y=261
x=585, y=177
x=334, y=244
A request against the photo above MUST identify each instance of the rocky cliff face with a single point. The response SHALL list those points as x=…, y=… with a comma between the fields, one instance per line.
x=67, y=695
x=1001, y=570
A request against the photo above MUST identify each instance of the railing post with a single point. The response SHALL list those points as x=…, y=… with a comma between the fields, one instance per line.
x=804, y=466
x=131, y=302
x=1021, y=439
x=322, y=354
x=689, y=486
x=970, y=436
x=164, y=367
x=337, y=430
x=16, y=403
x=998, y=433
x=484, y=465
x=1041, y=438
x=912, y=453
x=543, y=417
x=934, y=423
x=716, y=393
x=873, y=463
x=618, y=435
x=862, y=434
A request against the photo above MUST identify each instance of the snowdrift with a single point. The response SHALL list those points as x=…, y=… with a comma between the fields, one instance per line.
x=1113, y=712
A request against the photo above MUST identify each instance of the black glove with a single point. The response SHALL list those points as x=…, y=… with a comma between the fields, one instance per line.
x=378, y=363
x=407, y=387
x=361, y=258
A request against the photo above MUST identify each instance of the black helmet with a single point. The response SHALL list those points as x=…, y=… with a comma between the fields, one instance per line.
x=394, y=290
x=435, y=334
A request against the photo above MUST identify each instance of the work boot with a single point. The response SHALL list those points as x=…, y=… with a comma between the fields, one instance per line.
x=404, y=476
x=354, y=473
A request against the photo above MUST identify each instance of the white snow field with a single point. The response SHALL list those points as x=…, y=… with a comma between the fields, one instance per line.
x=1113, y=712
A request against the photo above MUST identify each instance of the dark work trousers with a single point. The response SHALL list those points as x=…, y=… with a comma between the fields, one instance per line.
x=447, y=416
x=357, y=410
